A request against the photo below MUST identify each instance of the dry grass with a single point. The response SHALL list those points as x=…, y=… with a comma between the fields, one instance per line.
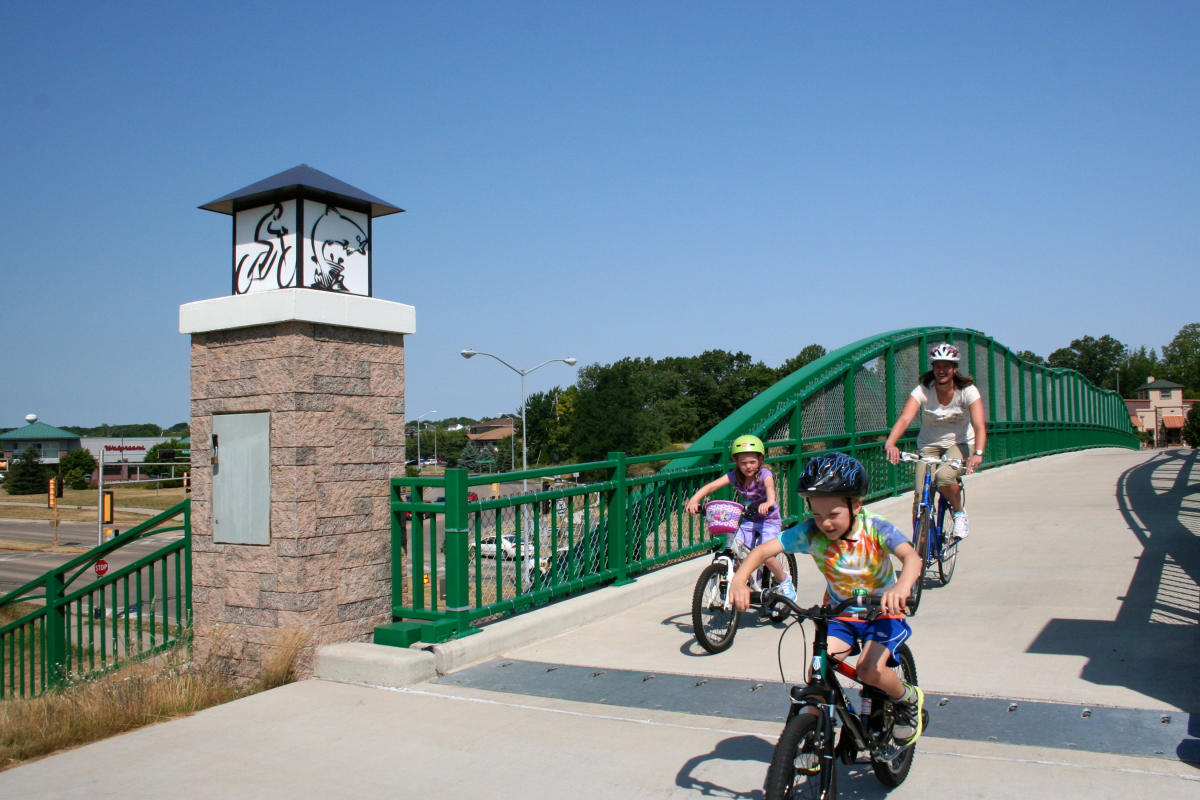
x=33, y=506
x=134, y=696
x=41, y=513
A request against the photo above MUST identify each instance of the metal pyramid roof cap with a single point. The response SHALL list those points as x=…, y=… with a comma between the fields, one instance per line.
x=301, y=175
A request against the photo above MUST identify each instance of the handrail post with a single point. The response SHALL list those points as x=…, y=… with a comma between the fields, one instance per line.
x=618, y=560
x=991, y=373
x=893, y=413
x=456, y=533
x=55, y=643
x=398, y=548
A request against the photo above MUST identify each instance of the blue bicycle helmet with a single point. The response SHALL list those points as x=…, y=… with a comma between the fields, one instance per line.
x=833, y=475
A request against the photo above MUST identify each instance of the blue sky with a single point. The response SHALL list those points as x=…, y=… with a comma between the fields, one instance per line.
x=599, y=180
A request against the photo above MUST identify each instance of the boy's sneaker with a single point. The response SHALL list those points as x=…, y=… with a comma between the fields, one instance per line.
x=960, y=525
x=907, y=726
x=787, y=589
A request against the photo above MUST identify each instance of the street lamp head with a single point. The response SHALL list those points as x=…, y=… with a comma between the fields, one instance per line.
x=570, y=362
x=466, y=353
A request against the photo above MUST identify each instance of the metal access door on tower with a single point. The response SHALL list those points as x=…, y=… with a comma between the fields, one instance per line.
x=241, y=464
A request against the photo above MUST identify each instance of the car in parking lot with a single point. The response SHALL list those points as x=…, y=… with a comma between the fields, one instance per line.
x=487, y=547
x=472, y=497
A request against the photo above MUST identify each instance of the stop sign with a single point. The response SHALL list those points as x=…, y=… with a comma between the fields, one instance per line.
x=101, y=567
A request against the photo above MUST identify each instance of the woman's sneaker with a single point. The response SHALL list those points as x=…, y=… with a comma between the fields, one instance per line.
x=960, y=525
x=907, y=726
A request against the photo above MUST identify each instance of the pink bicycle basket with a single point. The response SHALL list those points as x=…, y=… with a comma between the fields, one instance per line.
x=723, y=516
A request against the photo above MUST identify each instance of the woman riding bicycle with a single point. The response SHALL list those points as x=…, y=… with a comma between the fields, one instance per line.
x=951, y=419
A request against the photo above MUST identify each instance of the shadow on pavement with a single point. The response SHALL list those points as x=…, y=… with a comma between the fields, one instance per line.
x=857, y=781
x=1152, y=645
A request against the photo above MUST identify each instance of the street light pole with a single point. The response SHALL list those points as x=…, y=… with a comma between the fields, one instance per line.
x=423, y=416
x=569, y=361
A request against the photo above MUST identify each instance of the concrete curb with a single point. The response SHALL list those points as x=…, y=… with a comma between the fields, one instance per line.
x=380, y=665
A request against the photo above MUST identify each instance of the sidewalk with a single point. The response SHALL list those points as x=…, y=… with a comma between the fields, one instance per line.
x=607, y=696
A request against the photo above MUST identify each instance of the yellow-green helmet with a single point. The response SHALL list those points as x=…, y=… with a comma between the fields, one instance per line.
x=748, y=444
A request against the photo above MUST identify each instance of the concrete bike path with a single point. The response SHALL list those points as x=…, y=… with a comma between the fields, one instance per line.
x=1103, y=630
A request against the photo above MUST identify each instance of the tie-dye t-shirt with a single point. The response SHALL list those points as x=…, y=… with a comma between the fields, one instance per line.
x=864, y=563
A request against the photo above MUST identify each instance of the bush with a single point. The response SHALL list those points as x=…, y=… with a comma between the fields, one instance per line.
x=26, y=475
x=1191, y=428
x=75, y=479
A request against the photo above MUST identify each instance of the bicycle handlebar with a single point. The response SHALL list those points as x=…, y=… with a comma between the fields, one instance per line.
x=869, y=606
x=957, y=463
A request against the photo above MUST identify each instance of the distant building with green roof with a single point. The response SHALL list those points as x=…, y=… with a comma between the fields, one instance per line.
x=51, y=443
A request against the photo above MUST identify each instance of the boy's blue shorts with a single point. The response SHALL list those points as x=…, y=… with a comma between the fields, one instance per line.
x=891, y=633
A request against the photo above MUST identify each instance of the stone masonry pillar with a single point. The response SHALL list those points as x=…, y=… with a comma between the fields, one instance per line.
x=329, y=371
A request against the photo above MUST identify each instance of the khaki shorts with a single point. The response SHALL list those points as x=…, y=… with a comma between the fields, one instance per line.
x=944, y=475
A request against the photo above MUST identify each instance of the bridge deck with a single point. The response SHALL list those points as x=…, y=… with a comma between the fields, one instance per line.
x=1076, y=592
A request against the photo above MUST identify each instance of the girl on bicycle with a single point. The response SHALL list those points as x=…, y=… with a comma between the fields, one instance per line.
x=754, y=484
x=951, y=419
x=852, y=548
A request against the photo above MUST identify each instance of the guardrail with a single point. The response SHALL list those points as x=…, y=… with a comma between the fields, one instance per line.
x=69, y=627
x=458, y=562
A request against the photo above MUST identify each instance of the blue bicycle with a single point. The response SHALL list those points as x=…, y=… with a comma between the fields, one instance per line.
x=931, y=536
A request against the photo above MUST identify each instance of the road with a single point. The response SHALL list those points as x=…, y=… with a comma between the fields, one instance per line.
x=18, y=567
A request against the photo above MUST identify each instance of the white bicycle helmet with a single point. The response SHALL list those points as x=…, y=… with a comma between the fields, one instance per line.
x=944, y=352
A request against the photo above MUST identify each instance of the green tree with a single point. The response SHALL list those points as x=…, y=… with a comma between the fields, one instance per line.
x=74, y=479
x=1191, y=427
x=159, y=458
x=615, y=413
x=1181, y=359
x=1138, y=366
x=1030, y=357
x=26, y=475
x=79, y=459
x=802, y=359
x=1095, y=359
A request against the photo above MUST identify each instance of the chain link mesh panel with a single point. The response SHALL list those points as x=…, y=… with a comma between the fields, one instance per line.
x=908, y=372
x=1037, y=409
x=1014, y=378
x=780, y=431
x=981, y=373
x=870, y=396
x=998, y=389
x=824, y=414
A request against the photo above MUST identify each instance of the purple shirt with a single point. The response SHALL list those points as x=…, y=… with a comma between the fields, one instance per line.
x=753, y=495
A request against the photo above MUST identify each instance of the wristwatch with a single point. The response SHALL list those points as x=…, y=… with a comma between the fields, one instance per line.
x=979, y=453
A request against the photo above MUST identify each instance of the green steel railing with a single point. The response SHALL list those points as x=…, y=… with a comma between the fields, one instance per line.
x=458, y=562
x=71, y=627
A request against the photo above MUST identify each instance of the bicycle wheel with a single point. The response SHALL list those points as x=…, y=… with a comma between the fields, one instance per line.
x=713, y=625
x=947, y=553
x=892, y=765
x=789, y=566
x=803, y=764
x=921, y=543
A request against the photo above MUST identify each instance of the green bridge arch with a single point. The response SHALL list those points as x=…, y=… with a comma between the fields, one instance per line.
x=617, y=522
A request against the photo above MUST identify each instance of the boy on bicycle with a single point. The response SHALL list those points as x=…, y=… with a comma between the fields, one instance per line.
x=852, y=549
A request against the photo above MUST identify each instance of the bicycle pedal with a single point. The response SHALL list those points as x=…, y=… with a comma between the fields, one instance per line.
x=846, y=751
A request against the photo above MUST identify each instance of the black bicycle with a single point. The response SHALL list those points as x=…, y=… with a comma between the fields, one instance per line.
x=804, y=763
x=714, y=619
x=932, y=530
